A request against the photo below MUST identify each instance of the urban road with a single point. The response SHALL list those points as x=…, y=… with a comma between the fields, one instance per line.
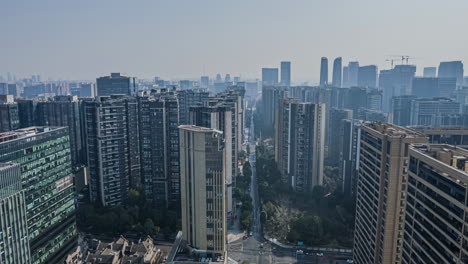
x=256, y=250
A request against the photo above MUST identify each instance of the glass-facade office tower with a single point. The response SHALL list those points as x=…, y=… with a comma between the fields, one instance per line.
x=113, y=148
x=380, y=193
x=337, y=71
x=203, y=188
x=14, y=240
x=9, y=116
x=270, y=76
x=286, y=73
x=47, y=180
x=323, y=71
x=116, y=83
x=367, y=76
x=451, y=69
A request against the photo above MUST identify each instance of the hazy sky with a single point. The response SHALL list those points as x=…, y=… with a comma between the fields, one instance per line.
x=177, y=39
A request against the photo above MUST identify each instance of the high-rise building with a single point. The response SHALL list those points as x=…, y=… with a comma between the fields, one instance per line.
x=220, y=117
x=271, y=96
x=447, y=87
x=299, y=143
x=64, y=111
x=367, y=76
x=187, y=98
x=401, y=109
x=425, y=87
x=27, y=112
x=87, y=90
x=430, y=72
x=395, y=82
x=270, y=76
x=451, y=69
x=357, y=98
x=286, y=73
x=374, y=99
x=383, y=169
x=13, y=217
x=336, y=79
x=47, y=179
x=349, y=165
x=113, y=149
x=159, y=149
x=346, y=83
x=323, y=71
x=205, y=82
x=9, y=113
x=429, y=112
x=353, y=73
x=334, y=133
x=434, y=216
x=457, y=136
x=116, y=83
x=203, y=188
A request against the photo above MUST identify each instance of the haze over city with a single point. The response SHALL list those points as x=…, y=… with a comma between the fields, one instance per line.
x=185, y=39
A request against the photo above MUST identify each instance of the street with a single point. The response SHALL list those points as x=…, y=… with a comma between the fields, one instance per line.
x=255, y=249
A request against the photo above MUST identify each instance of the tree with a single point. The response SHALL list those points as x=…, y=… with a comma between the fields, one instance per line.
x=149, y=226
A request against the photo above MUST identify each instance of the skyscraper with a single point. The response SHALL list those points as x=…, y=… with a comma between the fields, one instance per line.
x=113, y=149
x=116, y=83
x=383, y=169
x=395, y=82
x=271, y=96
x=425, y=87
x=451, y=69
x=346, y=83
x=187, y=98
x=159, y=149
x=47, y=179
x=367, y=76
x=323, y=71
x=434, y=217
x=270, y=76
x=13, y=218
x=401, y=109
x=335, y=131
x=353, y=73
x=205, y=82
x=27, y=112
x=430, y=72
x=64, y=111
x=430, y=112
x=337, y=64
x=220, y=117
x=299, y=143
x=349, y=166
x=203, y=188
x=286, y=73
x=9, y=113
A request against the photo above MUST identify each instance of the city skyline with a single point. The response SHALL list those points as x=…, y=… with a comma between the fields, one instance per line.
x=162, y=37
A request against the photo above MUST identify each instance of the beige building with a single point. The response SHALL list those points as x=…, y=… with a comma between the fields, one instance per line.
x=436, y=216
x=381, y=187
x=203, y=188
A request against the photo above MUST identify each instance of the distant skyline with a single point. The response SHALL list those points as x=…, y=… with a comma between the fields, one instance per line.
x=185, y=38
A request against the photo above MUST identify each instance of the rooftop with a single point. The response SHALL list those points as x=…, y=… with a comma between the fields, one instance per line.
x=451, y=161
x=25, y=132
x=393, y=130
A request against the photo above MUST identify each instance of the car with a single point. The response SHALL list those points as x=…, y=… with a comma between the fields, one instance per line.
x=261, y=245
x=250, y=234
x=299, y=252
x=349, y=261
x=319, y=254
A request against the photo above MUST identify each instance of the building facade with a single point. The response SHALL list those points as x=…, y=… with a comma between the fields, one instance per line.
x=116, y=83
x=435, y=212
x=113, y=148
x=14, y=239
x=383, y=168
x=299, y=143
x=203, y=183
x=47, y=180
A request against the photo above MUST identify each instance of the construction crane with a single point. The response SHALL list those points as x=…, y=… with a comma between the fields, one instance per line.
x=391, y=60
x=404, y=58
